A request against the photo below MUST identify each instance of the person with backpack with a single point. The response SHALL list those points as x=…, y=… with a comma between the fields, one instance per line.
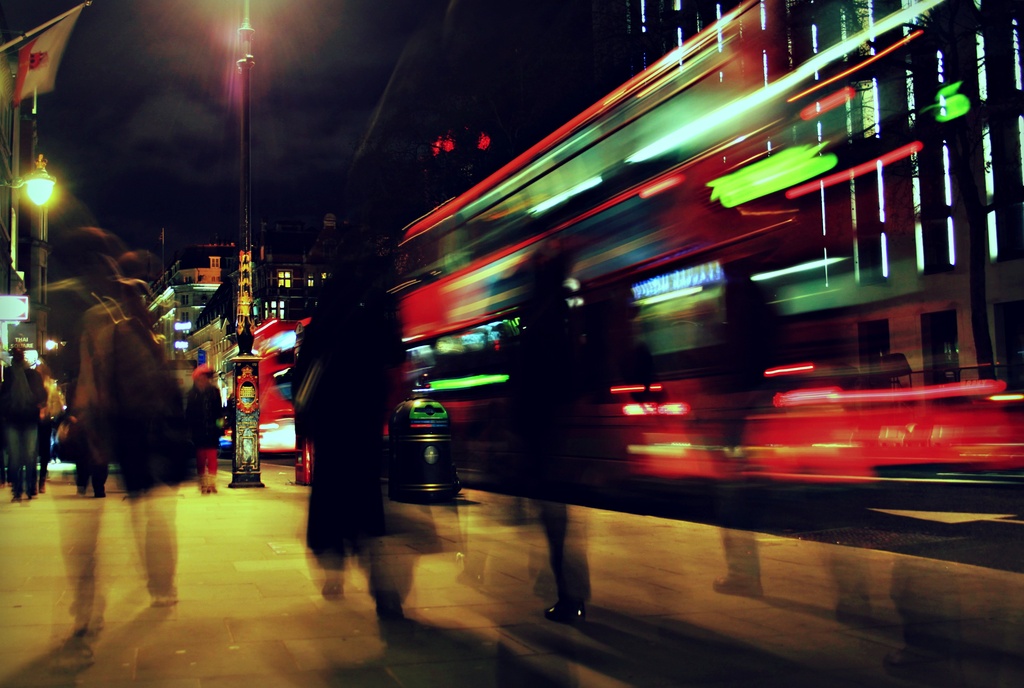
x=22, y=398
x=126, y=403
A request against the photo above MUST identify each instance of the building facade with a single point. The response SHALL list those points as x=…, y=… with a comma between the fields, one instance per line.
x=182, y=294
x=24, y=241
x=291, y=263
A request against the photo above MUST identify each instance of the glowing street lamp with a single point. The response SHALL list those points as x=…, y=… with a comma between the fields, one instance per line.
x=38, y=184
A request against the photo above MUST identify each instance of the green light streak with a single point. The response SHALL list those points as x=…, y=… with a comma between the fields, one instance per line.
x=781, y=170
x=466, y=382
x=950, y=103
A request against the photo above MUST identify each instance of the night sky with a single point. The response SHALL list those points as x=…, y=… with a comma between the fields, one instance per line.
x=141, y=131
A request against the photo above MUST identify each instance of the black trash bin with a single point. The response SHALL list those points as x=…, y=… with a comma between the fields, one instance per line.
x=420, y=465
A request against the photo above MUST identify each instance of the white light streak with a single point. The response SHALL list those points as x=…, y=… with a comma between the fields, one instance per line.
x=986, y=155
x=947, y=177
x=565, y=195
x=993, y=237
x=718, y=17
x=885, y=254
x=982, y=73
x=881, y=193
x=950, y=236
x=876, y=107
x=911, y=99
x=1016, y=56
x=802, y=267
x=700, y=126
x=1020, y=137
x=915, y=186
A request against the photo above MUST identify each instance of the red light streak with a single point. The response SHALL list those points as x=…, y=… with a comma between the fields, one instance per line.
x=827, y=103
x=853, y=69
x=265, y=326
x=848, y=174
x=789, y=370
x=625, y=389
x=835, y=395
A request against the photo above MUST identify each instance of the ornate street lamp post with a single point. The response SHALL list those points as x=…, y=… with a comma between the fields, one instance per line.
x=38, y=186
x=245, y=469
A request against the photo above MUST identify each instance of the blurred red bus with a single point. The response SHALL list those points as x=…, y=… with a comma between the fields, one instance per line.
x=735, y=208
x=275, y=345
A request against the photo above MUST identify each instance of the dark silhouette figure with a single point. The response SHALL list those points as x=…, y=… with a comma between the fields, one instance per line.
x=543, y=388
x=342, y=386
x=749, y=348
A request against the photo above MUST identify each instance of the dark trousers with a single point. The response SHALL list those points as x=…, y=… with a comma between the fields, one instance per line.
x=87, y=468
x=45, y=439
x=567, y=550
x=21, y=455
x=87, y=471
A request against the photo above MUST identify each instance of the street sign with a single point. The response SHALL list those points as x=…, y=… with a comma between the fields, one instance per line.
x=201, y=356
x=23, y=335
x=13, y=307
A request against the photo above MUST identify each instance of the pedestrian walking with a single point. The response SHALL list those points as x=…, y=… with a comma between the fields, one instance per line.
x=205, y=417
x=546, y=355
x=52, y=412
x=22, y=400
x=750, y=331
x=346, y=511
x=126, y=401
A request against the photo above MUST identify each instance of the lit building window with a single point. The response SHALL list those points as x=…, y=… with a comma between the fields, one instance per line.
x=273, y=309
x=214, y=261
x=309, y=281
x=284, y=279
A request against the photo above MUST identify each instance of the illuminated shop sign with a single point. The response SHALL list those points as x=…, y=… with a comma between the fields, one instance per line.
x=683, y=280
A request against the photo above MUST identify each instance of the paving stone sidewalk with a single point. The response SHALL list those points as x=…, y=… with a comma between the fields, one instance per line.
x=250, y=614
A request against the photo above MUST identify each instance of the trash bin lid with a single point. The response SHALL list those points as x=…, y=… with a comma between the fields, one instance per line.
x=421, y=413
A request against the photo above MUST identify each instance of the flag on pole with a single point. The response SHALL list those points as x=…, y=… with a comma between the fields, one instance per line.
x=39, y=58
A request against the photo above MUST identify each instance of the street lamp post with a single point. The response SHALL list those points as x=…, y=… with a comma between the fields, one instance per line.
x=38, y=186
x=246, y=464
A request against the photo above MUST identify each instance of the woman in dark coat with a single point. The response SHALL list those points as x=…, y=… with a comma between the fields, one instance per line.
x=352, y=342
